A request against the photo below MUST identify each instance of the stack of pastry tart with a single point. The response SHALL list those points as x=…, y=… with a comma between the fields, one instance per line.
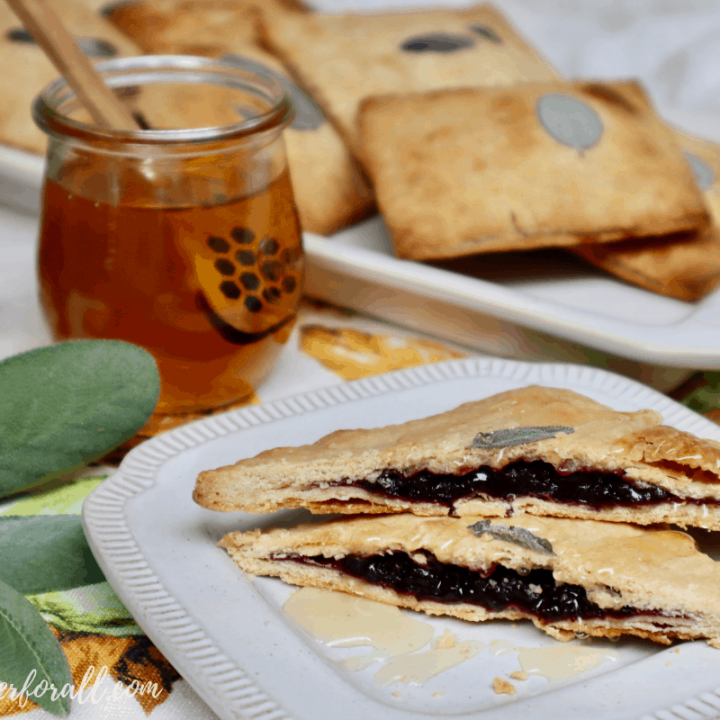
x=535, y=503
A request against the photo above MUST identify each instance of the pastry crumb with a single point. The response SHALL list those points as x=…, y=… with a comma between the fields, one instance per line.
x=438, y=694
x=396, y=694
x=447, y=641
x=503, y=687
x=519, y=675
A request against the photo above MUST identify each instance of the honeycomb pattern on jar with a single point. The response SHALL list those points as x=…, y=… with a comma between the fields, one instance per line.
x=252, y=276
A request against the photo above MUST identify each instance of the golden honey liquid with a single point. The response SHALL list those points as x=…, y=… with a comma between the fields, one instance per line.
x=211, y=291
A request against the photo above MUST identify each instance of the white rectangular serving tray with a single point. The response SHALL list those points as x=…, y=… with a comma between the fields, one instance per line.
x=530, y=306
x=228, y=636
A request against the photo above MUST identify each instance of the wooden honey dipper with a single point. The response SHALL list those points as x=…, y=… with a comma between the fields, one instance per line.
x=58, y=44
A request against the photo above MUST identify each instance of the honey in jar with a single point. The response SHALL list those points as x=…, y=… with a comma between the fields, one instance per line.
x=185, y=242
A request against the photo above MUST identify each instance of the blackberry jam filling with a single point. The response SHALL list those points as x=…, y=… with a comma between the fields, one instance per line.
x=519, y=479
x=534, y=593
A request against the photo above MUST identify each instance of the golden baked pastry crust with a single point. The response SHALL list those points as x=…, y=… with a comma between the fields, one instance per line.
x=603, y=439
x=317, y=156
x=661, y=574
x=686, y=265
x=29, y=71
x=344, y=58
x=478, y=170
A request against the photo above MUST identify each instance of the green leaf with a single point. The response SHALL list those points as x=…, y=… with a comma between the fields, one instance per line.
x=706, y=397
x=32, y=659
x=63, y=406
x=45, y=553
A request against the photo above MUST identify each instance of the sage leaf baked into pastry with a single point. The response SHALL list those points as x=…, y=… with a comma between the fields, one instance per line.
x=517, y=535
x=512, y=437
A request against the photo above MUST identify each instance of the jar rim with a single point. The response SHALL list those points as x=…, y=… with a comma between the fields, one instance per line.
x=127, y=71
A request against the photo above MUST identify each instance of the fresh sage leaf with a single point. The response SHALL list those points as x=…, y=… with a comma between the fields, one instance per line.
x=32, y=660
x=519, y=536
x=704, y=396
x=64, y=405
x=43, y=553
x=569, y=121
x=510, y=437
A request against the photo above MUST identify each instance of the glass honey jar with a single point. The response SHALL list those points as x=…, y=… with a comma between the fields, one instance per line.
x=181, y=237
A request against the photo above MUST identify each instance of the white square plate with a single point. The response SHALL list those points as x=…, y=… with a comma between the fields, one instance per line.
x=229, y=637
